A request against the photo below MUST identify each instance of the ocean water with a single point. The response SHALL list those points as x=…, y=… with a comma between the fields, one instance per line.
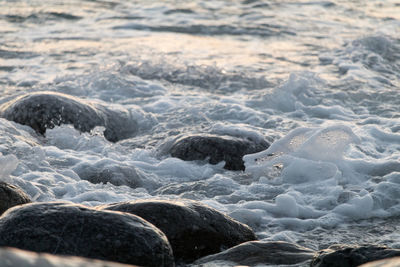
x=319, y=80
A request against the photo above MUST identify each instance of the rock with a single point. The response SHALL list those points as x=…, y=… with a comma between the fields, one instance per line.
x=10, y=196
x=217, y=148
x=262, y=253
x=12, y=257
x=44, y=110
x=208, y=188
x=109, y=171
x=352, y=255
x=194, y=230
x=71, y=229
x=392, y=262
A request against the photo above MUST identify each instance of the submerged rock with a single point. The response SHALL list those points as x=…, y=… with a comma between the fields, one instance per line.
x=10, y=196
x=71, y=229
x=208, y=189
x=194, y=230
x=265, y=253
x=352, y=255
x=109, y=171
x=44, y=110
x=12, y=257
x=217, y=148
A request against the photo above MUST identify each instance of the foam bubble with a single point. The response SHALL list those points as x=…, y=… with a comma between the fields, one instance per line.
x=325, y=145
x=300, y=88
x=303, y=170
x=359, y=207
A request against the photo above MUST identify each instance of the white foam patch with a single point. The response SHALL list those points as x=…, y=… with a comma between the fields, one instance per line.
x=159, y=105
x=328, y=144
x=303, y=170
x=359, y=207
x=321, y=187
x=8, y=164
x=385, y=136
x=60, y=168
x=174, y=169
x=325, y=145
x=239, y=130
x=327, y=112
x=301, y=92
x=67, y=137
x=111, y=83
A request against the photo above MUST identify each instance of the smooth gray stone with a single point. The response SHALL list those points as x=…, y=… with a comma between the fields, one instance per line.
x=45, y=110
x=193, y=229
x=205, y=188
x=12, y=257
x=106, y=171
x=352, y=255
x=259, y=252
x=10, y=196
x=391, y=262
x=216, y=148
x=76, y=230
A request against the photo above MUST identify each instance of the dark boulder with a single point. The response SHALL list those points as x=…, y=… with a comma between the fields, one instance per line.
x=71, y=229
x=262, y=253
x=217, y=148
x=193, y=229
x=45, y=110
x=10, y=196
x=352, y=255
x=12, y=257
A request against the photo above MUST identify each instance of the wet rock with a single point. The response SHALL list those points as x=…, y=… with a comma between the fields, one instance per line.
x=44, y=110
x=10, y=196
x=109, y=171
x=216, y=148
x=352, y=255
x=12, y=257
x=194, y=230
x=209, y=188
x=71, y=229
x=264, y=253
x=392, y=262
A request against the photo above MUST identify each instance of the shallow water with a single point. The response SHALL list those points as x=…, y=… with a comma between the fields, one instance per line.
x=320, y=80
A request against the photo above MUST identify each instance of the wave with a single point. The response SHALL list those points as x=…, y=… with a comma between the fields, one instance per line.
x=263, y=30
x=206, y=77
x=40, y=17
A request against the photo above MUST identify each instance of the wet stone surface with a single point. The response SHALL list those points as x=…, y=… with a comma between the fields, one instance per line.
x=10, y=196
x=193, y=229
x=71, y=229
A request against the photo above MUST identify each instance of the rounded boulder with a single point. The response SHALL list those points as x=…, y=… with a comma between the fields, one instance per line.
x=76, y=230
x=193, y=229
x=10, y=196
x=216, y=148
x=45, y=110
x=254, y=253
